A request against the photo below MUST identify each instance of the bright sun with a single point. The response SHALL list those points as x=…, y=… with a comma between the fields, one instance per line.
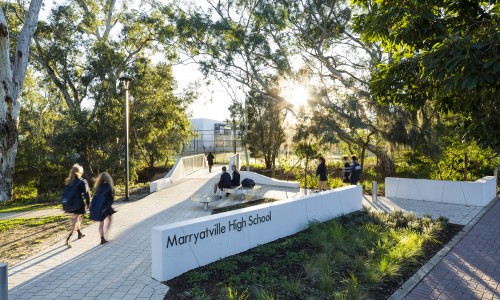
x=296, y=94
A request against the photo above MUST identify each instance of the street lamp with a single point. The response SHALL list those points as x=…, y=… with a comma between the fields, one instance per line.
x=125, y=81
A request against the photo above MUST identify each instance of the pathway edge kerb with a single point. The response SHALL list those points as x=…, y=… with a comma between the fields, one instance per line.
x=410, y=284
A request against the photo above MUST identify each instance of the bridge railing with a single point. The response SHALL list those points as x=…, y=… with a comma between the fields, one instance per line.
x=182, y=167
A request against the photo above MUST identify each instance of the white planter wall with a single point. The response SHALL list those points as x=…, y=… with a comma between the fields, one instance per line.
x=478, y=193
x=182, y=246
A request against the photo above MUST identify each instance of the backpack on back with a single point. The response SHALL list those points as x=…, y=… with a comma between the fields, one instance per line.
x=71, y=197
x=97, y=207
x=247, y=182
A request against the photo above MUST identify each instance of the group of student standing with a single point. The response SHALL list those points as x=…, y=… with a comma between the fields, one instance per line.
x=101, y=206
x=352, y=172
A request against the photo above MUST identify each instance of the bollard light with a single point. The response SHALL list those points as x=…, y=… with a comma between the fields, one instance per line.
x=374, y=191
x=4, y=284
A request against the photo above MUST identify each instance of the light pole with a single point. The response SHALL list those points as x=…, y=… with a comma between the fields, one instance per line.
x=125, y=81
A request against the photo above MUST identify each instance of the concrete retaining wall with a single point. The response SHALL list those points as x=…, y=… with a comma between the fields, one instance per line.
x=478, y=193
x=182, y=246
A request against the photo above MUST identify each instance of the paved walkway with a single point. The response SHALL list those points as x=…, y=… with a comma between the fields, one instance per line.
x=32, y=213
x=121, y=269
x=456, y=213
x=471, y=269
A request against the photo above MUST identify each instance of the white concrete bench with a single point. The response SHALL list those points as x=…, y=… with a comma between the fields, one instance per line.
x=205, y=199
x=243, y=191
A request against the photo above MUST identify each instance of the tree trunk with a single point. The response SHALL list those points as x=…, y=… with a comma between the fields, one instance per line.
x=386, y=165
x=7, y=161
x=12, y=79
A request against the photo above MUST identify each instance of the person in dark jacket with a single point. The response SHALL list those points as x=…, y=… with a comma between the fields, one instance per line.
x=210, y=160
x=101, y=206
x=321, y=171
x=235, y=181
x=347, y=170
x=75, y=177
x=224, y=182
x=355, y=170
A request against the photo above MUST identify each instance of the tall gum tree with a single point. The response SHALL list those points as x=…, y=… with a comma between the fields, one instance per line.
x=83, y=48
x=12, y=74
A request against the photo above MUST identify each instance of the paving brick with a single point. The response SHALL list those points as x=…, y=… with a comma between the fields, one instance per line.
x=469, y=272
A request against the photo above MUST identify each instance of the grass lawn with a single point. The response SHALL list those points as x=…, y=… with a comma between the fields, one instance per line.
x=23, y=237
x=364, y=255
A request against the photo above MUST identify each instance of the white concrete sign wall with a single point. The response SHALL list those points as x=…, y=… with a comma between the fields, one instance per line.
x=182, y=246
x=478, y=193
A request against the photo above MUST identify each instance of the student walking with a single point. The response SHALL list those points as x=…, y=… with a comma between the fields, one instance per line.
x=321, y=171
x=210, y=160
x=355, y=170
x=76, y=190
x=101, y=206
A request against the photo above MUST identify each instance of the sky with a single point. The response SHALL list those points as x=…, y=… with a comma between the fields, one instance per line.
x=212, y=103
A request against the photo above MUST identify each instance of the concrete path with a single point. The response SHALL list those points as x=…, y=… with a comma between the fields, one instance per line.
x=32, y=213
x=456, y=213
x=471, y=269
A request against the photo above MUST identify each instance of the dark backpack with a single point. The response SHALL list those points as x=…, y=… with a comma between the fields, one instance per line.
x=97, y=207
x=247, y=182
x=71, y=197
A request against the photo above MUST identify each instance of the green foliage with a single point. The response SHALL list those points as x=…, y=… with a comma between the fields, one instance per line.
x=233, y=294
x=293, y=286
x=159, y=121
x=456, y=160
x=38, y=168
x=457, y=157
x=195, y=277
x=30, y=222
x=265, y=132
x=441, y=53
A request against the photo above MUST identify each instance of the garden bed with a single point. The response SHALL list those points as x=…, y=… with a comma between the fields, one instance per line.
x=365, y=255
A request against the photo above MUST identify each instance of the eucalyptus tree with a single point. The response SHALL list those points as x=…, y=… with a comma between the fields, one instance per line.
x=266, y=128
x=160, y=124
x=83, y=48
x=443, y=53
x=243, y=41
x=307, y=140
x=38, y=163
x=339, y=64
x=13, y=65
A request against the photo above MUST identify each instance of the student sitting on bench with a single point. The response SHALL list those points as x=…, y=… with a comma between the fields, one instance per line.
x=224, y=182
x=235, y=181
